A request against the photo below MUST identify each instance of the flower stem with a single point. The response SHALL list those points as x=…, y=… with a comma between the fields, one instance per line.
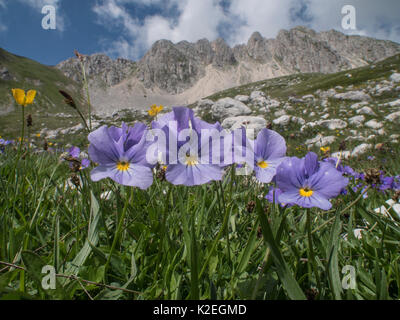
x=311, y=254
x=22, y=132
x=85, y=83
x=119, y=230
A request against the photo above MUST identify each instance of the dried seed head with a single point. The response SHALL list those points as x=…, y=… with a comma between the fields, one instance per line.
x=269, y=126
x=75, y=180
x=342, y=146
x=250, y=206
x=78, y=55
x=396, y=196
x=259, y=233
x=68, y=99
x=373, y=176
x=311, y=293
x=45, y=145
x=380, y=147
x=29, y=122
x=160, y=173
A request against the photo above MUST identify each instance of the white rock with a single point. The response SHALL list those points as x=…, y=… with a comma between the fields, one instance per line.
x=260, y=101
x=228, y=107
x=393, y=116
x=361, y=149
x=358, y=105
x=325, y=116
x=242, y=98
x=343, y=155
x=272, y=103
x=373, y=124
x=367, y=111
x=205, y=103
x=298, y=120
x=255, y=123
x=353, y=95
x=357, y=120
x=395, y=77
x=321, y=141
x=282, y=121
x=308, y=97
x=256, y=94
x=394, y=103
x=333, y=124
x=77, y=128
x=280, y=113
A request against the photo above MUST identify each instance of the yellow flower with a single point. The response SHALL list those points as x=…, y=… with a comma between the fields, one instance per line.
x=21, y=98
x=38, y=135
x=154, y=110
x=325, y=149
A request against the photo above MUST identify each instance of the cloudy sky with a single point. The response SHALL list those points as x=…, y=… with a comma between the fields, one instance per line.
x=128, y=28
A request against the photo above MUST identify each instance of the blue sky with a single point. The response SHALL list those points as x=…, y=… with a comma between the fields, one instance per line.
x=128, y=28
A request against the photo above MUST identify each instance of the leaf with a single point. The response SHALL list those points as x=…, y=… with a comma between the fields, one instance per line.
x=333, y=264
x=246, y=253
x=285, y=274
x=92, y=239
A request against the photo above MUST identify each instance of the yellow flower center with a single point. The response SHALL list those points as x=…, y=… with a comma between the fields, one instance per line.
x=123, y=165
x=262, y=164
x=306, y=192
x=191, y=160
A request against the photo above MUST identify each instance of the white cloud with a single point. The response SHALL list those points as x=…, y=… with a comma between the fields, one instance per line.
x=195, y=19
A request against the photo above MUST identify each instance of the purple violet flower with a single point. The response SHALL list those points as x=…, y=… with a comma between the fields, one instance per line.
x=74, y=152
x=185, y=166
x=121, y=155
x=269, y=152
x=308, y=182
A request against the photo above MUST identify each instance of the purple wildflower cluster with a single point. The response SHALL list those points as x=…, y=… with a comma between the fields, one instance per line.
x=176, y=140
x=383, y=183
x=75, y=153
x=327, y=176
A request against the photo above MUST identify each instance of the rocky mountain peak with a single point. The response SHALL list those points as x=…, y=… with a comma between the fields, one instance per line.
x=98, y=67
x=177, y=67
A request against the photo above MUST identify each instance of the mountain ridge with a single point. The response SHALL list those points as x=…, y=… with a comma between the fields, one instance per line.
x=183, y=72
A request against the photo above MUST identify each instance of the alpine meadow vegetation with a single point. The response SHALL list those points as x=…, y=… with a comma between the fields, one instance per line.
x=179, y=208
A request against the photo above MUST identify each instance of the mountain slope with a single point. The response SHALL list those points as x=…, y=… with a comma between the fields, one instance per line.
x=184, y=72
x=21, y=72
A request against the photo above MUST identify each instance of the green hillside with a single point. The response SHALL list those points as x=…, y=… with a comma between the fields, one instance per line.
x=28, y=74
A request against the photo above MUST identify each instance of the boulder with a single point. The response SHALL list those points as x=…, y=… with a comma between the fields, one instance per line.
x=242, y=98
x=395, y=77
x=282, y=121
x=321, y=141
x=255, y=123
x=373, y=124
x=357, y=120
x=367, y=111
x=361, y=149
x=333, y=124
x=393, y=116
x=228, y=107
x=353, y=95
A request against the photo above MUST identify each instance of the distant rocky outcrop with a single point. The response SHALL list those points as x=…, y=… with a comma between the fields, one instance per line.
x=185, y=72
x=111, y=72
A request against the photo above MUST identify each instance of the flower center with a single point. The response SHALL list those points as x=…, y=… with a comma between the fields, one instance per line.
x=123, y=165
x=191, y=160
x=262, y=164
x=306, y=192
